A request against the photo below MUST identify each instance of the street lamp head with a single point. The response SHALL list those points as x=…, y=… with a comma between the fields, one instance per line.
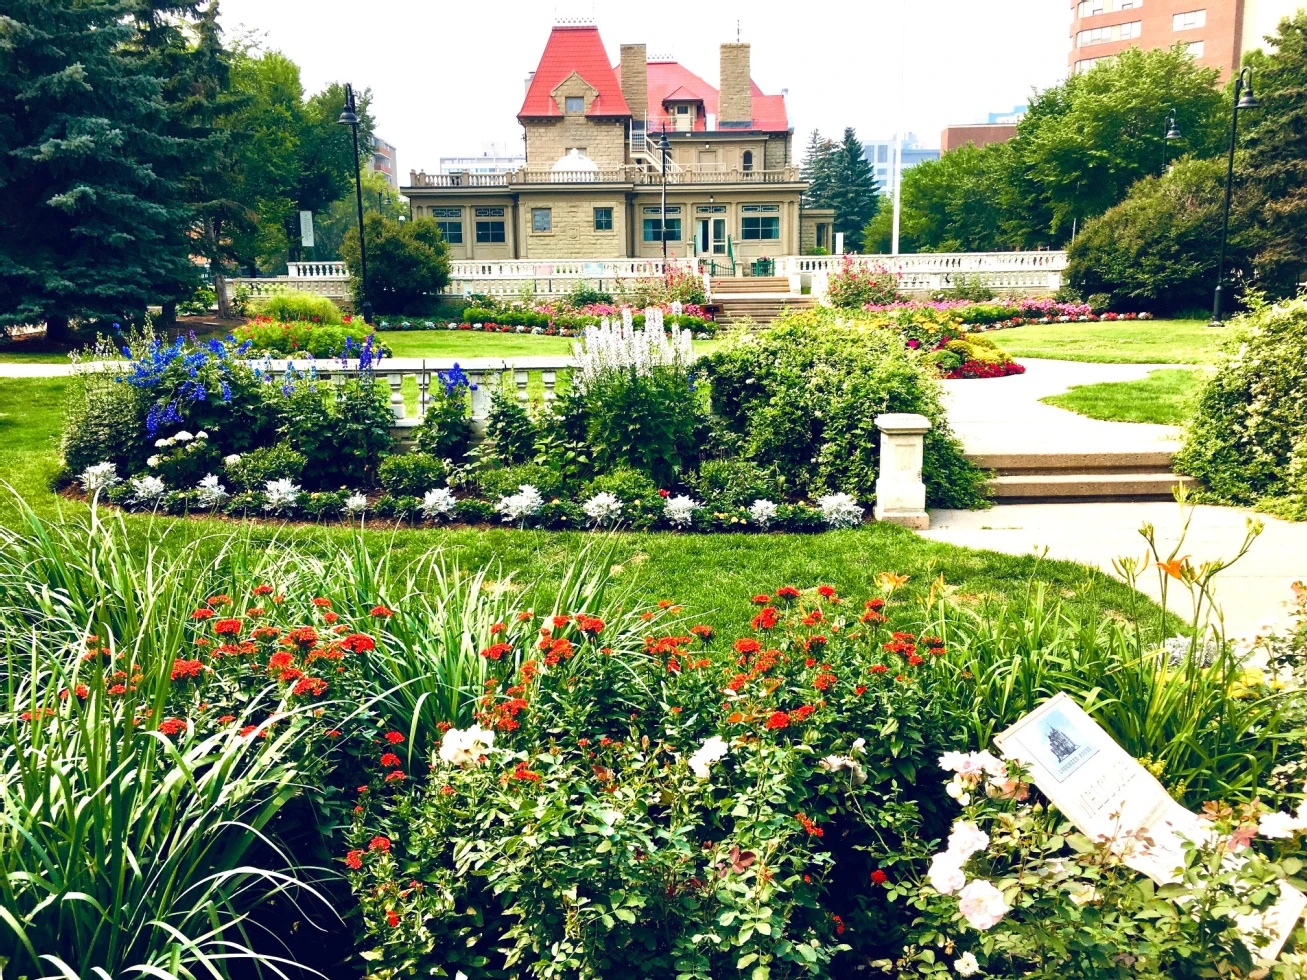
x=662, y=141
x=349, y=115
x=1172, y=132
x=1245, y=85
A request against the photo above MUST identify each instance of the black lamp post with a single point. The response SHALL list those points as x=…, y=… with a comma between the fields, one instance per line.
x=349, y=117
x=1172, y=133
x=663, y=147
x=1243, y=99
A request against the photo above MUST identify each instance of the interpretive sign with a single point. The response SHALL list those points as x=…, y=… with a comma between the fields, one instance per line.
x=1108, y=795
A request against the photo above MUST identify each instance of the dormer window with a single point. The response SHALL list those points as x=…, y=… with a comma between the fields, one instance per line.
x=575, y=104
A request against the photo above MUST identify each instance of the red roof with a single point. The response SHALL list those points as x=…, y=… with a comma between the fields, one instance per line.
x=574, y=49
x=670, y=80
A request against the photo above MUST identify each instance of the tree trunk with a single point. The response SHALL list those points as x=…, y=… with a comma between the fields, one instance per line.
x=168, y=314
x=57, y=330
x=224, y=301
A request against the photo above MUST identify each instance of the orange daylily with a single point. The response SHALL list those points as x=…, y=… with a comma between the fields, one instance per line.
x=1176, y=568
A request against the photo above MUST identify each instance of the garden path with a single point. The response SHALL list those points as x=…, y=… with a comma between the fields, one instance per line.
x=1253, y=592
x=1005, y=415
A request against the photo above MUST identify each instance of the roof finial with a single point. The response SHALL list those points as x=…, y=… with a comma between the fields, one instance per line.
x=737, y=31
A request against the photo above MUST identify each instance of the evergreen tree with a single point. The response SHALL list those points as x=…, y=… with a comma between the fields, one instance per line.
x=90, y=216
x=852, y=191
x=1273, y=177
x=816, y=170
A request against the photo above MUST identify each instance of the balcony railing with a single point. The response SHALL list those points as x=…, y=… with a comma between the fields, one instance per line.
x=710, y=173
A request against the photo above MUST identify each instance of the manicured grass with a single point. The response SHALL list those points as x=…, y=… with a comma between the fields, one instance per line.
x=32, y=357
x=467, y=343
x=712, y=576
x=1130, y=342
x=1164, y=397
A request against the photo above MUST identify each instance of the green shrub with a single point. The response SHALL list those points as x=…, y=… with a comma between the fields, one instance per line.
x=735, y=483
x=103, y=422
x=854, y=285
x=476, y=511
x=627, y=485
x=584, y=295
x=806, y=392
x=324, y=504
x=510, y=429
x=965, y=286
x=412, y=474
x=1246, y=439
x=199, y=303
x=505, y=482
x=292, y=307
x=401, y=508
x=341, y=427
x=257, y=467
x=408, y=263
x=446, y=428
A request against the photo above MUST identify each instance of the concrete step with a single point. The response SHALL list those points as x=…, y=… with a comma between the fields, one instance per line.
x=750, y=284
x=1094, y=485
x=1016, y=464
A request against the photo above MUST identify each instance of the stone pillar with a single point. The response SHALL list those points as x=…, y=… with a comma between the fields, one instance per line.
x=900, y=493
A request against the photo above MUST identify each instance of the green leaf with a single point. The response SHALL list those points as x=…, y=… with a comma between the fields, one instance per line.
x=745, y=960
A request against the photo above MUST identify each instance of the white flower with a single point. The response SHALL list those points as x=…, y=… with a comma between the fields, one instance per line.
x=201, y=434
x=840, y=510
x=162, y=443
x=981, y=904
x=1083, y=893
x=152, y=462
x=437, y=503
x=355, y=503
x=1277, y=825
x=210, y=493
x=282, y=495
x=231, y=460
x=183, y=436
x=834, y=763
x=619, y=347
x=967, y=839
x=680, y=510
x=762, y=512
x=706, y=754
x=521, y=505
x=101, y=476
x=147, y=489
x=465, y=748
x=959, y=790
x=946, y=875
x=966, y=964
x=602, y=508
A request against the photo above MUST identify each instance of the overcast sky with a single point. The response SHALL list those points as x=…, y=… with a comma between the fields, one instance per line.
x=447, y=76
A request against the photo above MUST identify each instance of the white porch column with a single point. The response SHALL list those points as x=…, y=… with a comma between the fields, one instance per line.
x=900, y=492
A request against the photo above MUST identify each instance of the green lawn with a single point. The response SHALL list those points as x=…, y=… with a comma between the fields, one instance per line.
x=1132, y=342
x=1164, y=397
x=713, y=576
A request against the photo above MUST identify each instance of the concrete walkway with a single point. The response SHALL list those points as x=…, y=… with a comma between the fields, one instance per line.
x=1004, y=415
x=1251, y=593
x=35, y=370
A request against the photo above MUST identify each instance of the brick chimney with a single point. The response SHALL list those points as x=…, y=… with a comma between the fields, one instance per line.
x=635, y=80
x=735, y=104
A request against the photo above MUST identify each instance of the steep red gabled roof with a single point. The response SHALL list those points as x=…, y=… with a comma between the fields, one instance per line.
x=574, y=49
x=672, y=81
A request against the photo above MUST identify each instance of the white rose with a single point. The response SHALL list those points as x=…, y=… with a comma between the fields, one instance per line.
x=946, y=875
x=709, y=752
x=1276, y=825
x=967, y=839
x=966, y=964
x=981, y=904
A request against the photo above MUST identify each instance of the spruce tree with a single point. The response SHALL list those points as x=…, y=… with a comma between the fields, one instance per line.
x=852, y=191
x=90, y=220
x=1273, y=175
x=816, y=170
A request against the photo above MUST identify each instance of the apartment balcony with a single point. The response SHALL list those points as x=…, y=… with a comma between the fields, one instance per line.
x=633, y=174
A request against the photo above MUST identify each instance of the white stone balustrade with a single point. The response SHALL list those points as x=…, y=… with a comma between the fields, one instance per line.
x=928, y=271
x=900, y=492
x=316, y=270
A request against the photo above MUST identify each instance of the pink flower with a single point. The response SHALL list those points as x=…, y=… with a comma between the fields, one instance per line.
x=946, y=875
x=981, y=904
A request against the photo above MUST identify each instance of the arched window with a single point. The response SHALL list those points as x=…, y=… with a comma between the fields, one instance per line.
x=746, y=160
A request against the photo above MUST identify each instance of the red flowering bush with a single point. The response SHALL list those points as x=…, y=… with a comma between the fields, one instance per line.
x=657, y=778
x=855, y=285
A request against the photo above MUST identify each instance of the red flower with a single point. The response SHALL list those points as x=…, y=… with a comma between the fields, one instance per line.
x=394, y=738
x=808, y=825
x=395, y=776
x=664, y=493
x=393, y=919
x=876, y=604
x=767, y=618
x=589, y=624
x=879, y=877
x=390, y=759
x=761, y=600
x=354, y=859
x=523, y=773
x=824, y=681
x=218, y=600
x=310, y=685
x=787, y=592
x=379, y=843
x=227, y=626
x=381, y=612
x=497, y=650
x=703, y=631
x=447, y=790
x=262, y=590
x=171, y=726
x=877, y=669
x=747, y=645
x=358, y=643
x=825, y=591
x=322, y=603
x=202, y=614
x=186, y=668
x=778, y=719
x=839, y=924
x=860, y=690
x=802, y=712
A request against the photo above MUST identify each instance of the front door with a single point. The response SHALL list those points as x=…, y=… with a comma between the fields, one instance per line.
x=718, y=236
x=702, y=242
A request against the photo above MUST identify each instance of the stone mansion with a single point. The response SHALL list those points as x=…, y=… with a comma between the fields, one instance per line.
x=592, y=186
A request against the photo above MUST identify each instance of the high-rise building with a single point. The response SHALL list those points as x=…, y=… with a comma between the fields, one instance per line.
x=385, y=160
x=1216, y=33
x=494, y=159
x=999, y=127
x=880, y=154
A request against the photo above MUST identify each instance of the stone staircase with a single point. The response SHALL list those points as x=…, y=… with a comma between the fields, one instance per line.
x=1080, y=477
x=759, y=298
